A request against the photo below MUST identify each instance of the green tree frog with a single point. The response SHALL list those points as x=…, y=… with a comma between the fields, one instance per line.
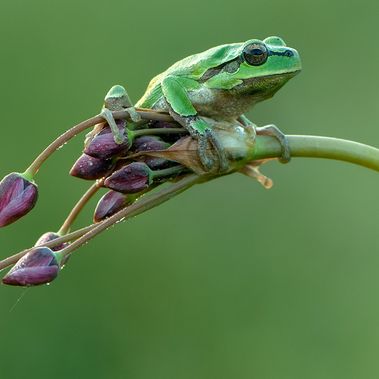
x=221, y=83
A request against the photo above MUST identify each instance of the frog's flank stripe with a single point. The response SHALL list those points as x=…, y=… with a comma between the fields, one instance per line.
x=230, y=66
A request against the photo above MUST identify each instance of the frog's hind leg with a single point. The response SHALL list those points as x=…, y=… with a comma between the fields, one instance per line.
x=272, y=130
x=213, y=160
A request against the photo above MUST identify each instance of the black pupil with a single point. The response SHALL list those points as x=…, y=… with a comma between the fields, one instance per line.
x=255, y=54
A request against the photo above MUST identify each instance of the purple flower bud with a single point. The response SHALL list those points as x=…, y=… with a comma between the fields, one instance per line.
x=17, y=197
x=38, y=266
x=172, y=137
x=103, y=146
x=149, y=143
x=50, y=236
x=141, y=143
x=110, y=204
x=90, y=168
x=133, y=178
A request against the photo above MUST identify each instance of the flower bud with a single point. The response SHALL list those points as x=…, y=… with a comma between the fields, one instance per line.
x=50, y=236
x=90, y=168
x=171, y=137
x=103, y=145
x=110, y=204
x=133, y=178
x=18, y=196
x=38, y=266
x=149, y=143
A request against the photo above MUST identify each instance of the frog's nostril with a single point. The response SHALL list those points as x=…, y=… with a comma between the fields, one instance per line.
x=288, y=53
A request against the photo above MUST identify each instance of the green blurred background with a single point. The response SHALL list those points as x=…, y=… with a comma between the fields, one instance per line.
x=227, y=280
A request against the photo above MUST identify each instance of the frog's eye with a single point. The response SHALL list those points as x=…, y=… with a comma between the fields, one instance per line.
x=255, y=54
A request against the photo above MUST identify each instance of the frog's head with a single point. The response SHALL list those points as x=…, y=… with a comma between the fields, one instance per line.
x=256, y=68
x=265, y=66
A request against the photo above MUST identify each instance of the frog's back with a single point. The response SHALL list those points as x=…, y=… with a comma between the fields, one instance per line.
x=193, y=67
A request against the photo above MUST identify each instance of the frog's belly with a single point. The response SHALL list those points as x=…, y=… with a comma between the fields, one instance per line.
x=216, y=104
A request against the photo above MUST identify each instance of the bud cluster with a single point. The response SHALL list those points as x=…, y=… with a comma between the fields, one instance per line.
x=127, y=169
x=127, y=172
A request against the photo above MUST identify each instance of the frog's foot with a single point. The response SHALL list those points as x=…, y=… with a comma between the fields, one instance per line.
x=134, y=115
x=117, y=99
x=206, y=139
x=118, y=136
x=273, y=131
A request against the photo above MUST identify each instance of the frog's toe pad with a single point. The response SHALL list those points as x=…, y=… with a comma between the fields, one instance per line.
x=272, y=130
x=134, y=115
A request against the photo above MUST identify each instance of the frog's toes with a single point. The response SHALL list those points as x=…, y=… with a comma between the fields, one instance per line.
x=211, y=152
x=118, y=136
x=204, y=153
x=219, y=150
x=134, y=115
x=272, y=130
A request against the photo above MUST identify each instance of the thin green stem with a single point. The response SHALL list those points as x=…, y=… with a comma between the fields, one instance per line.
x=265, y=148
x=158, y=131
x=168, y=171
x=32, y=170
x=9, y=261
x=145, y=203
x=319, y=147
x=66, y=226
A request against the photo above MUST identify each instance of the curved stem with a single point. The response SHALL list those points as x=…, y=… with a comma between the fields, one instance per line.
x=319, y=147
x=265, y=148
x=9, y=261
x=70, y=133
x=65, y=228
x=141, y=205
x=146, y=202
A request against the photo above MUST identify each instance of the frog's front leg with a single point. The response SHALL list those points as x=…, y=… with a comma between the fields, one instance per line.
x=249, y=126
x=182, y=110
x=117, y=99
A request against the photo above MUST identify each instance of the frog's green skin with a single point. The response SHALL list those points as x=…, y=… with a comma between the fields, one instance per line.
x=221, y=83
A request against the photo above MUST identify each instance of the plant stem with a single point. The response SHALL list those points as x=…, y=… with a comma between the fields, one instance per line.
x=70, y=133
x=168, y=171
x=319, y=147
x=66, y=238
x=146, y=202
x=265, y=148
x=83, y=235
x=157, y=131
x=65, y=228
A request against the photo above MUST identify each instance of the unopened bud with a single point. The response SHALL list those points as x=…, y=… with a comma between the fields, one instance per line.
x=109, y=204
x=133, y=178
x=152, y=143
x=38, y=266
x=103, y=145
x=18, y=196
x=90, y=168
x=50, y=236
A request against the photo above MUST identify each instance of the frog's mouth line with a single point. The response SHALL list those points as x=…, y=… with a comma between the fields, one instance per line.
x=264, y=82
x=264, y=87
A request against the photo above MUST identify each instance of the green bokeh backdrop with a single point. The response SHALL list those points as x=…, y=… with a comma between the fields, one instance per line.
x=227, y=280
